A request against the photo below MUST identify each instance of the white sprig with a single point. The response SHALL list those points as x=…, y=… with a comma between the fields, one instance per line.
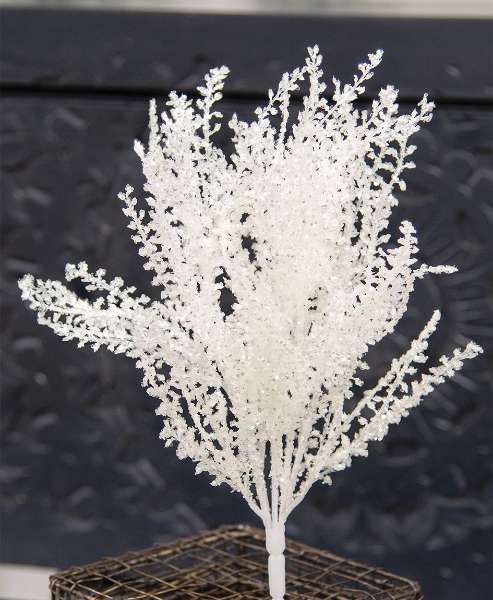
x=294, y=228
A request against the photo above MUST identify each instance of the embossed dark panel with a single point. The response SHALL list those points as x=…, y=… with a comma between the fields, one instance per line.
x=146, y=50
x=83, y=473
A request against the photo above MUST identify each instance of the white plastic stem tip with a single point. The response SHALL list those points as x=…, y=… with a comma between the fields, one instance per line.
x=276, y=543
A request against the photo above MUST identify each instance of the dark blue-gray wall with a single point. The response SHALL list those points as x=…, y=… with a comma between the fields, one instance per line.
x=83, y=473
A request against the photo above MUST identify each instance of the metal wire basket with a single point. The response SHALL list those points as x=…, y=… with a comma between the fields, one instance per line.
x=229, y=563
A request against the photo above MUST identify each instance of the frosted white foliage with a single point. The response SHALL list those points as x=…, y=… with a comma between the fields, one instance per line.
x=264, y=393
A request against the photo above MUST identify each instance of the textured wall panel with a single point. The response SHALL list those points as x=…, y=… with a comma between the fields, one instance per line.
x=145, y=50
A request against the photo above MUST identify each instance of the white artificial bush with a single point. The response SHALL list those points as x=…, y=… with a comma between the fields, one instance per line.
x=295, y=225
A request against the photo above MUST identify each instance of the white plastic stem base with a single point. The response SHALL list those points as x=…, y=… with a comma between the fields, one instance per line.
x=276, y=543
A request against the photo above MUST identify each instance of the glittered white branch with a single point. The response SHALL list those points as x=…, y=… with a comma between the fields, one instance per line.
x=293, y=228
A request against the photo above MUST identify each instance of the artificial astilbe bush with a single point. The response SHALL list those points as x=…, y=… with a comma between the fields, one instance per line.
x=276, y=274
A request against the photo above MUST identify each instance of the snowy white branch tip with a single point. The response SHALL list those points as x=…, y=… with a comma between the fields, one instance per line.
x=293, y=228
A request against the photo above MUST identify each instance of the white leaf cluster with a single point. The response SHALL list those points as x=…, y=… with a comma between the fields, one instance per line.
x=293, y=228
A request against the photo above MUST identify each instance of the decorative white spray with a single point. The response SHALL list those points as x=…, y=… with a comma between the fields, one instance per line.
x=293, y=228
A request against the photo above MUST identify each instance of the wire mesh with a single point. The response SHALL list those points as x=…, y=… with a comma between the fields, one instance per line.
x=229, y=563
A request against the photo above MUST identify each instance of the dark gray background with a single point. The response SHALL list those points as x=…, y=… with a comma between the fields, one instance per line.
x=83, y=473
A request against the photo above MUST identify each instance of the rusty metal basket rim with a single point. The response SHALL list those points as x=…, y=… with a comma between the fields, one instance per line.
x=57, y=581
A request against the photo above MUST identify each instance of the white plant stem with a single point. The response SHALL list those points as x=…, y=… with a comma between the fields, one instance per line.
x=275, y=542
